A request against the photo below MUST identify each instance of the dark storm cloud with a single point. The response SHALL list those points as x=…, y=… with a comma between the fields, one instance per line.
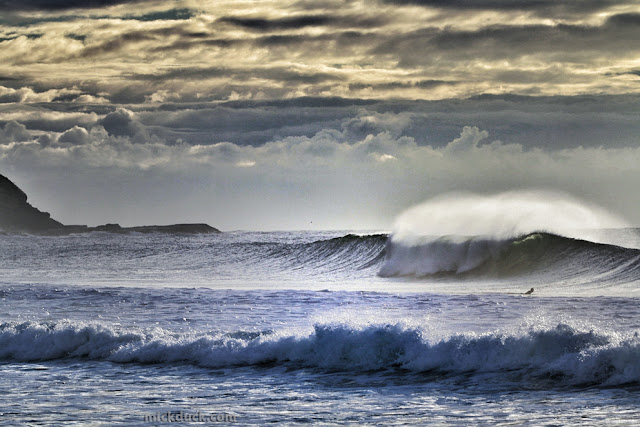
x=242, y=124
x=122, y=40
x=619, y=34
x=130, y=93
x=342, y=39
x=297, y=22
x=165, y=15
x=52, y=5
x=275, y=73
x=79, y=37
x=120, y=123
x=631, y=72
x=550, y=123
x=175, y=14
x=116, y=43
x=430, y=84
x=27, y=35
x=553, y=75
x=263, y=24
x=625, y=19
x=513, y=5
x=545, y=122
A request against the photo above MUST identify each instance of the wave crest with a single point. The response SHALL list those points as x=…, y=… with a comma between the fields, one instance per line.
x=346, y=253
x=562, y=353
x=536, y=253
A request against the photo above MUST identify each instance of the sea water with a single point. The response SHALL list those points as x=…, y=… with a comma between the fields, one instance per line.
x=337, y=328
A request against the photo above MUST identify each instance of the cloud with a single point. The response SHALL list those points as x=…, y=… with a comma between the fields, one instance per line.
x=175, y=14
x=52, y=5
x=90, y=99
x=541, y=7
x=263, y=24
x=121, y=123
x=297, y=49
x=27, y=94
x=283, y=74
x=560, y=42
x=469, y=139
x=290, y=179
x=14, y=132
x=331, y=109
x=544, y=122
x=74, y=136
x=37, y=118
x=302, y=21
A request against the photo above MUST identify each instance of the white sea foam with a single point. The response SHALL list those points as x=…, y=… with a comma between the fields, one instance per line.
x=562, y=352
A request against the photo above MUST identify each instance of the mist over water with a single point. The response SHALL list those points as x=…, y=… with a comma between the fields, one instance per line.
x=503, y=216
x=506, y=235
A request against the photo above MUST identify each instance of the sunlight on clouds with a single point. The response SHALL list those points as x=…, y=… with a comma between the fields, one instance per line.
x=384, y=49
x=370, y=104
x=245, y=164
x=384, y=157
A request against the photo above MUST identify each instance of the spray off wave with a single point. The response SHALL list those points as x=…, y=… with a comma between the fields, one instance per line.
x=508, y=234
x=504, y=215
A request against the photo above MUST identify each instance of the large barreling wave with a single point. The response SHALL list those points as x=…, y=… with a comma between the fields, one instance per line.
x=562, y=354
x=511, y=234
x=545, y=254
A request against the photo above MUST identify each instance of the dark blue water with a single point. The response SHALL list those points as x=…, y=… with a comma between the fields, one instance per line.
x=300, y=328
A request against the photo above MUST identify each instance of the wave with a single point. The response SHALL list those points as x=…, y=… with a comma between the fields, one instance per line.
x=562, y=354
x=549, y=256
x=346, y=253
x=534, y=253
x=293, y=256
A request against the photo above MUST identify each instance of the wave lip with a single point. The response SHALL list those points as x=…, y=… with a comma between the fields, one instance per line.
x=535, y=253
x=562, y=354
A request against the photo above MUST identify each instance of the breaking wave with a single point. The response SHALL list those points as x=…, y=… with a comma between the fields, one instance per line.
x=547, y=255
x=561, y=354
x=534, y=253
x=511, y=234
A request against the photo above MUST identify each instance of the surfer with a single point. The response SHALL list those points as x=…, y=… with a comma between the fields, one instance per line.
x=529, y=292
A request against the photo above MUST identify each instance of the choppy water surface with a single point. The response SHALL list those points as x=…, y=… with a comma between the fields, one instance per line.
x=319, y=327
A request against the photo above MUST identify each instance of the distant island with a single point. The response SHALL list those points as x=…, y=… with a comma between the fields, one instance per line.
x=18, y=216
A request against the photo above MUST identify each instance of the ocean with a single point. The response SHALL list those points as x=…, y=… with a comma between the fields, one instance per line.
x=331, y=328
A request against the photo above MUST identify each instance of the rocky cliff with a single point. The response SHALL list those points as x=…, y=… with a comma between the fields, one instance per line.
x=18, y=216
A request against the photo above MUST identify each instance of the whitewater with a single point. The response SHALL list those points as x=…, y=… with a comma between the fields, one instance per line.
x=427, y=323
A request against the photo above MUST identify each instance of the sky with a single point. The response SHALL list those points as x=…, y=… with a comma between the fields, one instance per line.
x=286, y=115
